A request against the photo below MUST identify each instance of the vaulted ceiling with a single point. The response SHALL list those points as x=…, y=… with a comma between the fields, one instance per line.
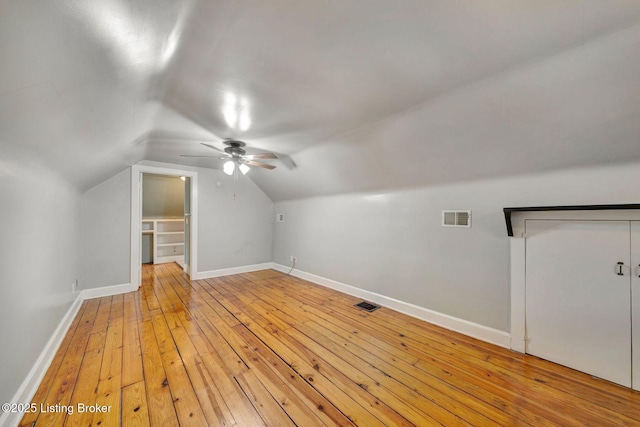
x=352, y=94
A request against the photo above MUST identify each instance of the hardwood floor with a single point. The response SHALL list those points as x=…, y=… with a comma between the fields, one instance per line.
x=268, y=349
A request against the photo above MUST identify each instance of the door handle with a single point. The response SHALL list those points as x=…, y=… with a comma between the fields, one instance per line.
x=620, y=265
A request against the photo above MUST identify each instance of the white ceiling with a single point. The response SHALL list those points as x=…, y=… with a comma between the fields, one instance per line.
x=353, y=94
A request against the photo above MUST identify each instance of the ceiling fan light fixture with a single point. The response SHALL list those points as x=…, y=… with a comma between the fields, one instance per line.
x=237, y=158
x=229, y=167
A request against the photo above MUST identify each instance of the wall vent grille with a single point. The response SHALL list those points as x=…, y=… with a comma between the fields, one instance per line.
x=456, y=219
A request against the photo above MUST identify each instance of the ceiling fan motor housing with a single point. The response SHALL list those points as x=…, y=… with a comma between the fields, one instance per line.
x=234, y=148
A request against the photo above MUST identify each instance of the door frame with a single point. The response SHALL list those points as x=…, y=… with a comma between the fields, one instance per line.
x=136, y=217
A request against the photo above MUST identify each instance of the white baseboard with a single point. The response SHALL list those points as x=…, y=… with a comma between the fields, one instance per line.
x=31, y=383
x=228, y=271
x=107, y=291
x=475, y=330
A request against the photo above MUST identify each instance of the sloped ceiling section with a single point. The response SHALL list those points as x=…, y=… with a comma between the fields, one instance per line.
x=353, y=94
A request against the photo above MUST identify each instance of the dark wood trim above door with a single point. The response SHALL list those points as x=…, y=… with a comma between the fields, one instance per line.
x=509, y=211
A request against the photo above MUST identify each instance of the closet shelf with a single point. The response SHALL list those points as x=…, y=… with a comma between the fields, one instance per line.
x=168, y=239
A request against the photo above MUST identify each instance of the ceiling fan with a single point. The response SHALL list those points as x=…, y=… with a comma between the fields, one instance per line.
x=237, y=158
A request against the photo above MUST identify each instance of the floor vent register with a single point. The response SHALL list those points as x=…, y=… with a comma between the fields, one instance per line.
x=367, y=306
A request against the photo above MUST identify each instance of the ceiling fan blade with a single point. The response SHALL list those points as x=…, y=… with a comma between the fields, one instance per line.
x=212, y=147
x=259, y=164
x=212, y=157
x=260, y=156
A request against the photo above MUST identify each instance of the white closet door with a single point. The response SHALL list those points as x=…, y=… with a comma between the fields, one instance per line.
x=635, y=303
x=577, y=306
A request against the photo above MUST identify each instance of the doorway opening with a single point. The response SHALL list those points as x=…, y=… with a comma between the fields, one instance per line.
x=163, y=218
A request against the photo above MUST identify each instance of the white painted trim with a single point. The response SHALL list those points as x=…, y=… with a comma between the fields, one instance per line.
x=135, y=269
x=107, y=291
x=475, y=330
x=233, y=270
x=136, y=216
x=518, y=312
x=31, y=383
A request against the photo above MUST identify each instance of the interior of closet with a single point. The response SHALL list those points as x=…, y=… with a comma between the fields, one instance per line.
x=163, y=219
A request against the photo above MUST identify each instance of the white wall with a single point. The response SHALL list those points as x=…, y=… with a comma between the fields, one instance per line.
x=40, y=235
x=162, y=196
x=233, y=231
x=105, y=225
x=392, y=243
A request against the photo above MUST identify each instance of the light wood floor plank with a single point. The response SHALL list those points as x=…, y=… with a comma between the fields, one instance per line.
x=215, y=372
x=102, y=318
x=109, y=387
x=184, y=397
x=265, y=404
x=324, y=410
x=86, y=389
x=117, y=307
x=135, y=412
x=131, y=354
x=267, y=349
x=211, y=401
x=159, y=400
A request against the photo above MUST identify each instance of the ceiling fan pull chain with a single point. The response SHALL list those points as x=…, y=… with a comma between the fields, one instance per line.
x=235, y=182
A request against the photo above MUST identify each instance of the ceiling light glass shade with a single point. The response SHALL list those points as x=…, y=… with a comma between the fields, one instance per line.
x=229, y=167
x=244, y=169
